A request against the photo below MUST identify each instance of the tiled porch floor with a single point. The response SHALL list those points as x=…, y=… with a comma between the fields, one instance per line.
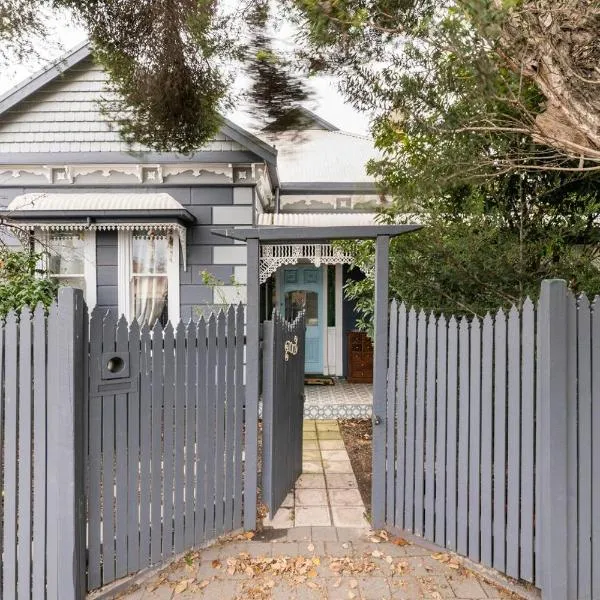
x=340, y=401
x=326, y=494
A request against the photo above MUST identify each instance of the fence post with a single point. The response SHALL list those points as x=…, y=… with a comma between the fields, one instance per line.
x=552, y=337
x=382, y=267
x=65, y=549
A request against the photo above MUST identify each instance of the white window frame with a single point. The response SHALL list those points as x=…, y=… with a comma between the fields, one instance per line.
x=42, y=243
x=125, y=275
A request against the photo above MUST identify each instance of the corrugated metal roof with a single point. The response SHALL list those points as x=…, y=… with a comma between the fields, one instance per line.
x=317, y=219
x=93, y=201
x=322, y=156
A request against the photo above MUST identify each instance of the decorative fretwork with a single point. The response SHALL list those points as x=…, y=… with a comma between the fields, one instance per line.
x=273, y=256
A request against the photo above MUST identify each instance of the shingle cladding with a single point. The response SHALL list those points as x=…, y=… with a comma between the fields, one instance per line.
x=65, y=116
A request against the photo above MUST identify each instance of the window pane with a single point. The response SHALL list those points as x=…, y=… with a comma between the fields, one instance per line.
x=299, y=300
x=149, y=253
x=66, y=253
x=148, y=298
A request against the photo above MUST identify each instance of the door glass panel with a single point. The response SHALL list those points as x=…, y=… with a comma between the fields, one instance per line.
x=298, y=300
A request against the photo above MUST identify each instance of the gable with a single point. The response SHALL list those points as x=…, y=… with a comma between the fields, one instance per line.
x=64, y=116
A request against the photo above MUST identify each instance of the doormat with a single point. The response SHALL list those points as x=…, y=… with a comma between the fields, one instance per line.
x=318, y=380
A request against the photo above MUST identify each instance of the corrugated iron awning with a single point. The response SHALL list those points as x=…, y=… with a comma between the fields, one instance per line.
x=317, y=219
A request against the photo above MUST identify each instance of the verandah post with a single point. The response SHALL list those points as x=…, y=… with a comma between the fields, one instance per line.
x=552, y=338
x=382, y=250
x=65, y=551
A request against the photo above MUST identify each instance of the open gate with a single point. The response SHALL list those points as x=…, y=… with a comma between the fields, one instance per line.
x=283, y=407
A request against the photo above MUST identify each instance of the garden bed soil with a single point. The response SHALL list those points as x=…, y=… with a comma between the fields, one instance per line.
x=357, y=436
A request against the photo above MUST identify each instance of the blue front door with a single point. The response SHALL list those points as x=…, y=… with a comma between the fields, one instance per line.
x=301, y=288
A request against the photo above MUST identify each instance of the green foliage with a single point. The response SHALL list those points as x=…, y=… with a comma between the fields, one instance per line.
x=21, y=282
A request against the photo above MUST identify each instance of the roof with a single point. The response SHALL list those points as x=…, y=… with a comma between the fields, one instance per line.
x=35, y=202
x=302, y=118
x=317, y=219
x=321, y=156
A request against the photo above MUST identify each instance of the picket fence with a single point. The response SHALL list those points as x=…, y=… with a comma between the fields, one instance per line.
x=489, y=448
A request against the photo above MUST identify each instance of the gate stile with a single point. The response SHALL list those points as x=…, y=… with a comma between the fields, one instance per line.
x=283, y=407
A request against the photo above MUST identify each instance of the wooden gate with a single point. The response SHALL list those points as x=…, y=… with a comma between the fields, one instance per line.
x=283, y=407
x=165, y=440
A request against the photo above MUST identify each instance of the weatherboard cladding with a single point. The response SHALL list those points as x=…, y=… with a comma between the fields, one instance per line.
x=65, y=116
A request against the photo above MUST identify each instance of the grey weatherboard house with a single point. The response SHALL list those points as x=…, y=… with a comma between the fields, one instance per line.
x=133, y=228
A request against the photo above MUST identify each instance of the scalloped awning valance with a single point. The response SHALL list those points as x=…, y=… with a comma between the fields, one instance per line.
x=102, y=212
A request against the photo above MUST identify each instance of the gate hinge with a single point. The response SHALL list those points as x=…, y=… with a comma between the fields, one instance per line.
x=376, y=420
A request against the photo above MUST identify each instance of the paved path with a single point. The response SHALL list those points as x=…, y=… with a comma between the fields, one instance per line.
x=299, y=555
x=326, y=493
x=317, y=563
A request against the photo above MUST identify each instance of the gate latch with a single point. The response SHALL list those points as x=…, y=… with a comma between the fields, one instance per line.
x=376, y=420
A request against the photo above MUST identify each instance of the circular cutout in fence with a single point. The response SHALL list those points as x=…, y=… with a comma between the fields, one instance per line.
x=115, y=364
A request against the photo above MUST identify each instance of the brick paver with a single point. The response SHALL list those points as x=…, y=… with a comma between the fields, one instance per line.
x=317, y=563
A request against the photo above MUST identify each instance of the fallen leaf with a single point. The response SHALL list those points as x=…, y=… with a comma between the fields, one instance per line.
x=311, y=547
x=203, y=583
x=400, y=542
x=337, y=582
x=389, y=560
x=376, y=554
x=353, y=584
x=216, y=564
x=181, y=586
x=316, y=560
x=249, y=535
x=376, y=540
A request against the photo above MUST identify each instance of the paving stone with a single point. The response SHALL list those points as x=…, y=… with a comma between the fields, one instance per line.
x=164, y=592
x=437, y=583
x=312, y=515
x=311, y=548
x=256, y=549
x=329, y=444
x=334, y=455
x=220, y=588
x=282, y=591
x=374, y=588
x=311, y=497
x=337, y=466
x=327, y=426
x=306, y=593
x=351, y=534
x=339, y=588
x=283, y=519
x=350, y=497
x=329, y=435
x=467, y=587
x=311, y=455
x=284, y=549
x=341, y=480
x=288, y=501
x=309, y=435
x=349, y=516
x=339, y=549
x=406, y=588
x=311, y=480
x=324, y=534
x=312, y=467
x=299, y=534
x=310, y=445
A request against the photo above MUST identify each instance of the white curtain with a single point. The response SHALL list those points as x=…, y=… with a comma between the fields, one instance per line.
x=149, y=292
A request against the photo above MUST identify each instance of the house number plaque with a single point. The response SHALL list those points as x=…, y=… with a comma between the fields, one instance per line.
x=291, y=347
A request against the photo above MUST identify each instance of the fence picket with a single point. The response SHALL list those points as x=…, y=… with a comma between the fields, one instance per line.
x=595, y=447
x=191, y=353
x=25, y=458
x=420, y=423
x=584, y=439
x=211, y=366
x=156, y=450
x=201, y=438
x=121, y=467
x=39, y=449
x=462, y=512
x=527, y=439
x=475, y=441
x=400, y=416
x=572, y=468
x=500, y=366
x=487, y=363
x=409, y=489
x=108, y=459
x=390, y=446
x=179, y=416
x=430, y=416
x=170, y=414
x=441, y=416
x=220, y=428
x=229, y=418
x=133, y=455
x=240, y=401
x=145, y=443
x=451, y=436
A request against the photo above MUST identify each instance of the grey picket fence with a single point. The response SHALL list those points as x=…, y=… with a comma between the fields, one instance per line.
x=165, y=440
x=41, y=475
x=469, y=428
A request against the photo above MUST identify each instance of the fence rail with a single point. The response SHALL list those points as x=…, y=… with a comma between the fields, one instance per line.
x=474, y=448
x=165, y=440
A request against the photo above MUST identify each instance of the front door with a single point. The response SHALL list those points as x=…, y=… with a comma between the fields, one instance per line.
x=301, y=290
